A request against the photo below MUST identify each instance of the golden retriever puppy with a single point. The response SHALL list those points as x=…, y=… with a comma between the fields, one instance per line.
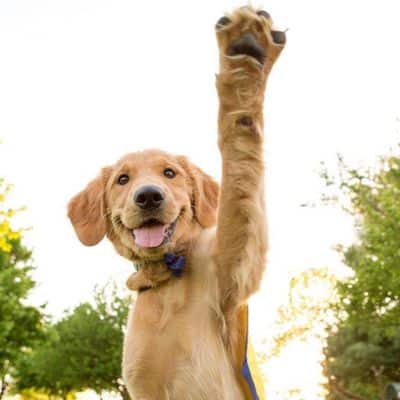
x=200, y=250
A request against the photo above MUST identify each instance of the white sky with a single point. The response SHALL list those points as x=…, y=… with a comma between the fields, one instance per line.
x=84, y=81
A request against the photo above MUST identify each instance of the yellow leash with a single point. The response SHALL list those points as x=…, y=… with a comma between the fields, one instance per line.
x=249, y=376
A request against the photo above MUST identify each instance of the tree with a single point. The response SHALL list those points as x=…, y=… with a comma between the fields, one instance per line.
x=82, y=351
x=20, y=323
x=361, y=361
x=363, y=351
x=308, y=314
x=302, y=324
x=44, y=369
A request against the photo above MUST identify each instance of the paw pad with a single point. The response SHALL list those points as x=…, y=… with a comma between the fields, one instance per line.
x=247, y=36
x=223, y=21
x=279, y=37
x=264, y=14
x=248, y=45
x=245, y=121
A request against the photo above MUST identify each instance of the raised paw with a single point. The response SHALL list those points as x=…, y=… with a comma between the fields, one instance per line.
x=248, y=34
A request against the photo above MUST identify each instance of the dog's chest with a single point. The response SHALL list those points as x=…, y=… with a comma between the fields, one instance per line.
x=175, y=337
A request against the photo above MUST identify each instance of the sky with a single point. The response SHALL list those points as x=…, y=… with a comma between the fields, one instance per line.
x=84, y=82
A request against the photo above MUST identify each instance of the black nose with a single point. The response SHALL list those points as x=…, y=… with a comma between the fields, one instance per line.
x=149, y=197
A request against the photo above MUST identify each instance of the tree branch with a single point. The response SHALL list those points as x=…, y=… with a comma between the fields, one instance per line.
x=3, y=387
x=378, y=377
x=344, y=392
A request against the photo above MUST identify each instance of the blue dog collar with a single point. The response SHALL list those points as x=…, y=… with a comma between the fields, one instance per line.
x=175, y=263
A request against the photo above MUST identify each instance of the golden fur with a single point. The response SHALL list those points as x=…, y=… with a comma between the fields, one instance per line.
x=181, y=334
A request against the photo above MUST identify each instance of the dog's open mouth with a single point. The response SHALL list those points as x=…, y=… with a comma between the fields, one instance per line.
x=153, y=233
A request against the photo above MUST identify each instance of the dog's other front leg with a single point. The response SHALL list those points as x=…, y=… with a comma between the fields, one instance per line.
x=248, y=49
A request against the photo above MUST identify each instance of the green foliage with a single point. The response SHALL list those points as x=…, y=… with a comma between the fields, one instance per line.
x=30, y=394
x=82, y=351
x=363, y=352
x=20, y=323
x=7, y=233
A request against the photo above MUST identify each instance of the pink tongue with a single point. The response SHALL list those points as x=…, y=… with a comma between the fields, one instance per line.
x=150, y=236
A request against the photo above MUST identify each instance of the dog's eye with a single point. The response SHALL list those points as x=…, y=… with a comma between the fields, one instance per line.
x=169, y=173
x=123, y=179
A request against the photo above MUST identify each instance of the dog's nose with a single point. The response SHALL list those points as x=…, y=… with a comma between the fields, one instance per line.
x=149, y=197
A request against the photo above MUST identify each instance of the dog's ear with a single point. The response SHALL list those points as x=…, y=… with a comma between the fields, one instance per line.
x=87, y=209
x=204, y=194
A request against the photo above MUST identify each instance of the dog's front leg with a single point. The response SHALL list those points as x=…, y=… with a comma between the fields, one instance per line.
x=248, y=49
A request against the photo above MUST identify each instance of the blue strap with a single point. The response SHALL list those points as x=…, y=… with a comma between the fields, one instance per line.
x=249, y=379
x=246, y=369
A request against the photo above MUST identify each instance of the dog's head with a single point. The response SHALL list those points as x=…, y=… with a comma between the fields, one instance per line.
x=148, y=203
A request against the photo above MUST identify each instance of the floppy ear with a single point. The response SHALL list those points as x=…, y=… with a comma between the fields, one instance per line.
x=204, y=194
x=87, y=211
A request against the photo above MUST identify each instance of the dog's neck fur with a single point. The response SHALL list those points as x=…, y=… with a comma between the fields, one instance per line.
x=154, y=272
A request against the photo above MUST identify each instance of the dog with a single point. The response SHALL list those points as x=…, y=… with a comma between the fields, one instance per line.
x=199, y=247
